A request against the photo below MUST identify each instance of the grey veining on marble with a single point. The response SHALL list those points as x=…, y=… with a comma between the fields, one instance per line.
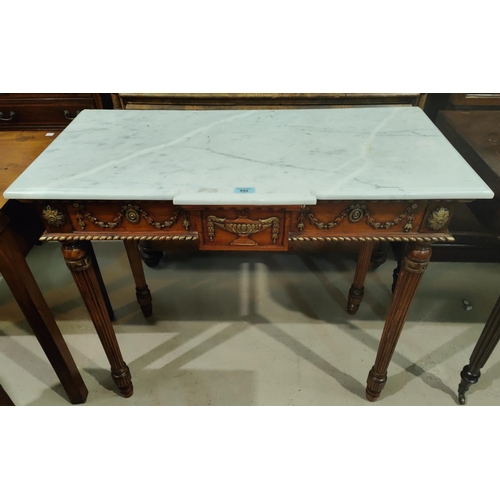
x=283, y=156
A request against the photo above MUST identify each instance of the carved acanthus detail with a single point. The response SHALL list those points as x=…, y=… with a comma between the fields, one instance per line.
x=438, y=219
x=53, y=216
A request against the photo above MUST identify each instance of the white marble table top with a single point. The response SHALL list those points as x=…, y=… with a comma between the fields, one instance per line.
x=256, y=157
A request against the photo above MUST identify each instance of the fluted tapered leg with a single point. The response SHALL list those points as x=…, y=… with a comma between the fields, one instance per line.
x=78, y=257
x=98, y=275
x=358, y=286
x=414, y=263
x=485, y=345
x=142, y=290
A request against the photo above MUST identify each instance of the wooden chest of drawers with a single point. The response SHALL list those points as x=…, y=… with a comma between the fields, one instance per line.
x=43, y=111
x=261, y=101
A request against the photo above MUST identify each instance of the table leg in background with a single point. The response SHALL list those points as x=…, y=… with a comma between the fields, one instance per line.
x=4, y=398
x=485, y=345
x=25, y=290
x=358, y=287
x=141, y=288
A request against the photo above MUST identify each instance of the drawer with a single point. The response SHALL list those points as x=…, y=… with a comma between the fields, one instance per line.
x=38, y=96
x=115, y=218
x=234, y=229
x=372, y=218
x=40, y=114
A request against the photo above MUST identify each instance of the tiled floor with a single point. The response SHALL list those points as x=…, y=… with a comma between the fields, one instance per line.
x=254, y=329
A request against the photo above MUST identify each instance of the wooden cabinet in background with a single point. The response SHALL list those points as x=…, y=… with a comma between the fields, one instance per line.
x=43, y=111
x=261, y=101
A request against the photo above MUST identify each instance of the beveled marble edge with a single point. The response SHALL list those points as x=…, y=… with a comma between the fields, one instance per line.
x=279, y=199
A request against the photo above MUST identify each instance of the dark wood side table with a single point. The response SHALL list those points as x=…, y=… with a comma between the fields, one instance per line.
x=19, y=149
x=476, y=136
x=485, y=346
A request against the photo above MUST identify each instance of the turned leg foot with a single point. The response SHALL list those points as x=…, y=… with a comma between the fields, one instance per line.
x=482, y=351
x=141, y=288
x=357, y=289
x=354, y=299
x=375, y=384
x=78, y=257
x=123, y=381
x=414, y=264
x=467, y=379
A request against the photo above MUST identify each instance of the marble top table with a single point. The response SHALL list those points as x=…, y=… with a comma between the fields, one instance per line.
x=249, y=181
x=285, y=157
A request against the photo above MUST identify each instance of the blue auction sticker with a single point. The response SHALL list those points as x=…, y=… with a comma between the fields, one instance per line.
x=244, y=190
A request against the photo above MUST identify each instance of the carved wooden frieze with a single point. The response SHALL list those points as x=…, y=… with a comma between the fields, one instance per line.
x=355, y=213
x=131, y=213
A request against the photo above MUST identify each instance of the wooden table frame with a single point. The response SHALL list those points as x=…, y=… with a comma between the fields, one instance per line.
x=24, y=288
x=19, y=231
x=76, y=223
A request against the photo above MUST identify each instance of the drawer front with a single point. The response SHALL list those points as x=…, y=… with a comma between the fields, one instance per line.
x=372, y=218
x=39, y=95
x=115, y=218
x=40, y=114
x=247, y=228
x=254, y=229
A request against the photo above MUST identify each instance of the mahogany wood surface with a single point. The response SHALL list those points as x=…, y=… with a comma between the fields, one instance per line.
x=21, y=282
x=18, y=150
x=20, y=228
x=261, y=100
x=43, y=111
x=164, y=221
x=254, y=228
x=482, y=351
